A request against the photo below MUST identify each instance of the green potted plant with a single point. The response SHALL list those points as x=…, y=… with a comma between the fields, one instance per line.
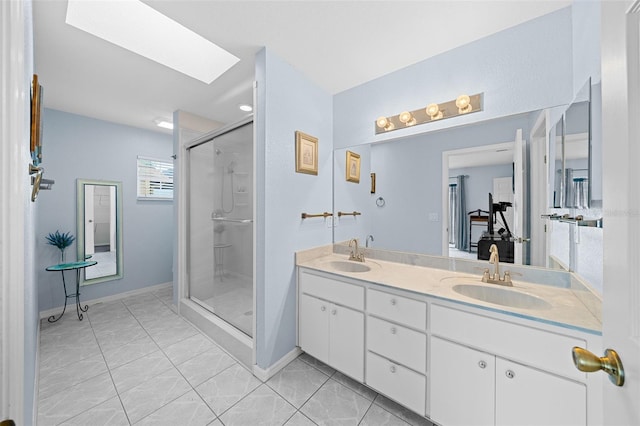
x=62, y=241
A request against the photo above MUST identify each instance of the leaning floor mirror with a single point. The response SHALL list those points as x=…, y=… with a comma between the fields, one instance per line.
x=99, y=229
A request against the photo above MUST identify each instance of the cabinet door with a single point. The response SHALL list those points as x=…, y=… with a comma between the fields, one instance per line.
x=526, y=396
x=462, y=385
x=314, y=327
x=346, y=341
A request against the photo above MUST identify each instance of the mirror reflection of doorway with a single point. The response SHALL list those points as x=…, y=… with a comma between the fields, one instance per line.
x=100, y=229
x=484, y=170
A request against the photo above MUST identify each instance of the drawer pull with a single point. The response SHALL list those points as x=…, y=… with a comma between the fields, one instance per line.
x=393, y=302
x=510, y=374
x=393, y=330
x=323, y=308
x=482, y=364
x=392, y=369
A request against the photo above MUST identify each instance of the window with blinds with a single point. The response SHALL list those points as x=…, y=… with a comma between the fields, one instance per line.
x=155, y=179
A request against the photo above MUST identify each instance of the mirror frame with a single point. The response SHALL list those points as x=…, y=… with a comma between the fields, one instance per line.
x=80, y=201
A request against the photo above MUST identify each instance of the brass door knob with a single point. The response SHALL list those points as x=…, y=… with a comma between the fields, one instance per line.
x=610, y=363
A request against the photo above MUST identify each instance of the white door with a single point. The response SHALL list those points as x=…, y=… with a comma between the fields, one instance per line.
x=465, y=379
x=314, y=327
x=346, y=341
x=538, y=190
x=620, y=54
x=526, y=396
x=519, y=173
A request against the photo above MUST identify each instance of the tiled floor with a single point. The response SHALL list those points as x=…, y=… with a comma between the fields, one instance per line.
x=136, y=362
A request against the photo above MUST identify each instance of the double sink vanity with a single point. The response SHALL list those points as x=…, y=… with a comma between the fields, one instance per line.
x=426, y=332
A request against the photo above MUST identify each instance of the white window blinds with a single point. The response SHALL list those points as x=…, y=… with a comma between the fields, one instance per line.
x=155, y=179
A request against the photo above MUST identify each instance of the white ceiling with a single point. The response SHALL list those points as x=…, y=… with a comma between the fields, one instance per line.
x=336, y=44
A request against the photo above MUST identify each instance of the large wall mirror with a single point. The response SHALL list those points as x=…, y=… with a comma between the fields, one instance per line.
x=409, y=210
x=99, y=216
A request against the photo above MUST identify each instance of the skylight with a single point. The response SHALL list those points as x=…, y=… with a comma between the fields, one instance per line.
x=141, y=29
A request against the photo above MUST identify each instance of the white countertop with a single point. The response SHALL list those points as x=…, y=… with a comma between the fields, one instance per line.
x=566, y=310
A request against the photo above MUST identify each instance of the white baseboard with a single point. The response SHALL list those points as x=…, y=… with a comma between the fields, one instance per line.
x=266, y=374
x=151, y=288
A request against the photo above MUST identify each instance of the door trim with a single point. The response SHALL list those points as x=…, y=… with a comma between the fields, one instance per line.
x=13, y=201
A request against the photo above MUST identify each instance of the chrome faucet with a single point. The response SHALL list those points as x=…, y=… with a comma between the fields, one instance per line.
x=369, y=237
x=355, y=253
x=494, y=259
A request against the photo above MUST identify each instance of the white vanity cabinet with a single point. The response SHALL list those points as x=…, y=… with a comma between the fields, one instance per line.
x=331, y=322
x=484, y=387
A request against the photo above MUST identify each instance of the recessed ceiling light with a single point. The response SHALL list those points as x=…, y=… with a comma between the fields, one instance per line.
x=141, y=29
x=246, y=108
x=164, y=124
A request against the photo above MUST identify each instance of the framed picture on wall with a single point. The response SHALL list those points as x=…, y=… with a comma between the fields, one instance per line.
x=36, y=122
x=353, y=167
x=306, y=154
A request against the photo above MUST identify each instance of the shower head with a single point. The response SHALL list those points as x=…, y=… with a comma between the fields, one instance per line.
x=218, y=151
x=231, y=167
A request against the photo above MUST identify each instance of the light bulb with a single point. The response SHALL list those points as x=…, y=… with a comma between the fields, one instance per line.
x=405, y=117
x=463, y=102
x=433, y=111
x=382, y=122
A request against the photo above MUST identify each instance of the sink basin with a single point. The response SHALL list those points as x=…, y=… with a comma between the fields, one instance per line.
x=349, y=266
x=501, y=296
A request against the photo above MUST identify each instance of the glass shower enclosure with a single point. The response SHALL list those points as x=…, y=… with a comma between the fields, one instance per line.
x=220, y=225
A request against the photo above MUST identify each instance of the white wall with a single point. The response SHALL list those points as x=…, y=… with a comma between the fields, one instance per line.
x=286, y=101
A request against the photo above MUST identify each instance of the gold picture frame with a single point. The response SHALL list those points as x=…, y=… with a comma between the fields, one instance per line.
x=306, y=153
x=353, y=167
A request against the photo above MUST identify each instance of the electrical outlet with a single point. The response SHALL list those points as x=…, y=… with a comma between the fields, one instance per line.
x=433, y=217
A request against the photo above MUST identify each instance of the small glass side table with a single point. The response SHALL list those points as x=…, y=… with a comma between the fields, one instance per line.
x=77, y=266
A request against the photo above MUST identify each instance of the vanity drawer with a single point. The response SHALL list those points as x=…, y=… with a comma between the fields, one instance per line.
x=340, y=292
x=398, y=343
x=403, y=310
x=397, y=382
x=538, y=348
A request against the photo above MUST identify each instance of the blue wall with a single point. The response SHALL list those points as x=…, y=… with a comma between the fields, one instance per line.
x=80, y=147
x=286, y=101
x=521, y=69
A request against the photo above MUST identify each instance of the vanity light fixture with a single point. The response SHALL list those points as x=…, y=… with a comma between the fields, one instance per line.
x=463, y=104
x=433, y=111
